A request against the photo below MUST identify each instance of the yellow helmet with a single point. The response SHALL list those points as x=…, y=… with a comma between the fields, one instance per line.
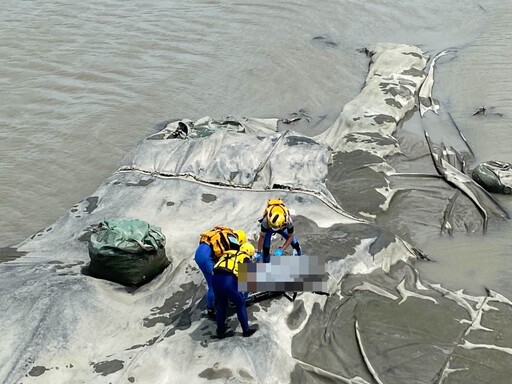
x=276, y=218
x=242, y=238
x=248, y=249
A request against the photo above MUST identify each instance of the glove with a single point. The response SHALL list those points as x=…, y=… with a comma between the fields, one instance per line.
x=257, y=257
x=278, y=252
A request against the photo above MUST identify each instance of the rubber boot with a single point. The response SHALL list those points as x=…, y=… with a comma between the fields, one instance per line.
x=250, y=331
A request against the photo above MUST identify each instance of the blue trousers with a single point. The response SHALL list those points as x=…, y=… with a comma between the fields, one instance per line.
x=204, y=260
x=225, y=286
x=284, y=233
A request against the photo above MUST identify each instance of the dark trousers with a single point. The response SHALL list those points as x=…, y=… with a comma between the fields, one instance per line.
x=225, y=287
x=284, y=233
x=204, y=260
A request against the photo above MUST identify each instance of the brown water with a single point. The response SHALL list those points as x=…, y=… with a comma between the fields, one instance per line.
x=82, y=83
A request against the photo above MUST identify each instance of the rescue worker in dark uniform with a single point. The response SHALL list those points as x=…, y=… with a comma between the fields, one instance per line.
x=212, y=245
x=225, y=287
x=276, y=219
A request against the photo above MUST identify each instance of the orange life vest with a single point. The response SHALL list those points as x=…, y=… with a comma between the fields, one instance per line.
x=218, y=239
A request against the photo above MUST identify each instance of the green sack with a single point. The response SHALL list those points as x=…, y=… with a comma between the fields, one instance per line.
x=130, y=252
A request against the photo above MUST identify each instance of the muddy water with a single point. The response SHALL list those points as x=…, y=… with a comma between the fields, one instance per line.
x=479, y=74
x=83, y=83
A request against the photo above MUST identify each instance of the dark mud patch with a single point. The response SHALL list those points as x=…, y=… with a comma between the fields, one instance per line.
x=339, y=240
x=147, y=344
x=350, y=175
x=92, y=203
x=216, y=374
x=9, y=254
x=141, y=183
x=208, y=197
x=381, y=119
x=174, y=310
x=108, y=367
x=393, y=102
x=395, y=90
x=38, y=371
x=245, y=374
x=414, y=72
x=297, y=140
x=297, y=315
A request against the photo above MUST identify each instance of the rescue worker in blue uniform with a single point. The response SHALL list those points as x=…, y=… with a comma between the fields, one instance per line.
x=276, y=219
x=225, y=287
x=212, y=245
